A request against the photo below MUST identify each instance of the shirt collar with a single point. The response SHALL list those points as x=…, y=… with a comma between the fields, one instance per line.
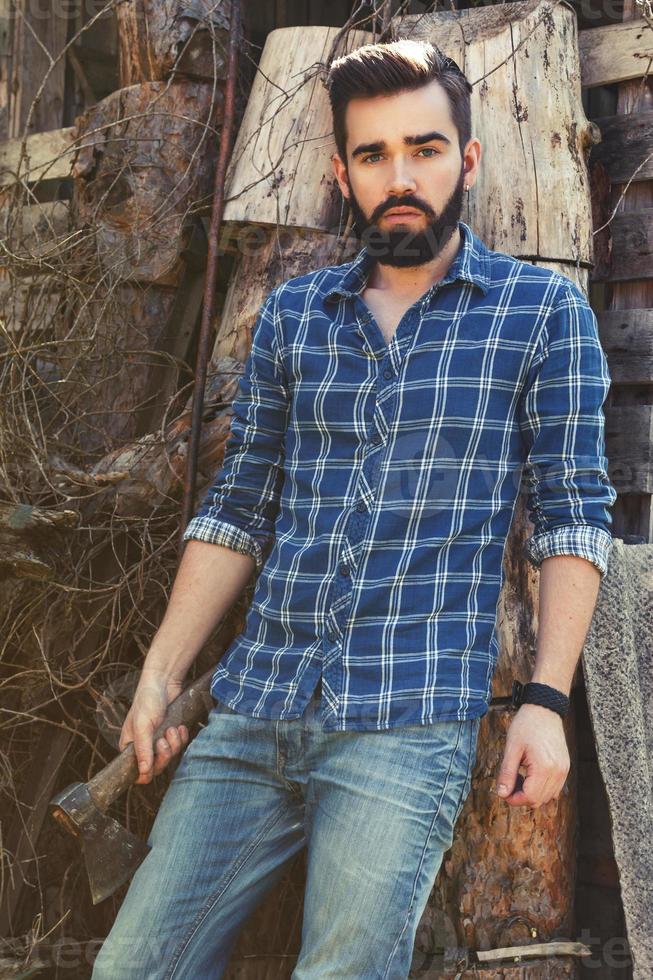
x=471, y=264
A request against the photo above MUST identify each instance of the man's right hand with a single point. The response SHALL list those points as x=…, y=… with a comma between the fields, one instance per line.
x=154, y=694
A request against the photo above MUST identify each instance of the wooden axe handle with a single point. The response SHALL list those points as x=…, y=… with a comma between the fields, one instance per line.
x=190, y=706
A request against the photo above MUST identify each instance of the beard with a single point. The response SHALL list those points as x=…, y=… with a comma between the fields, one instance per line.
x=400, y=246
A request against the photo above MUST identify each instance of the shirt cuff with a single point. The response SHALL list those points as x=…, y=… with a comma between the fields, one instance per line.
x=228, y=535
x=583, y=540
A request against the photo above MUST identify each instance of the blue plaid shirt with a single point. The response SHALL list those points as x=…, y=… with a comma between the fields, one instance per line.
x=375, y=484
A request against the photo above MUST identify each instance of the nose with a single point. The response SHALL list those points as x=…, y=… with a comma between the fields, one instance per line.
x=401, y=181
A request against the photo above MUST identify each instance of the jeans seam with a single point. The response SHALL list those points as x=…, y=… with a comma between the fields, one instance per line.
x=421, y=860
x=468, y=775
x=208, y=905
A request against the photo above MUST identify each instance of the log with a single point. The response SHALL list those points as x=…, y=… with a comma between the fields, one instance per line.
x=23, y=518
x=102, y=361
x=508, y=879
x=149, y=473
x=20, y=561
x=280, y=171
x=142, y=174
x=542, y=133
x=279, y=255
x=146, y=162
x=163, y=38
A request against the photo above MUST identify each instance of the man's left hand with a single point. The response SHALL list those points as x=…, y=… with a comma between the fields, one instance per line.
x=535, y=741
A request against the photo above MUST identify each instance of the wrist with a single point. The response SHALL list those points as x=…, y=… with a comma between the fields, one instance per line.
x=163, y=667
x=540, y=694
x=541, y=677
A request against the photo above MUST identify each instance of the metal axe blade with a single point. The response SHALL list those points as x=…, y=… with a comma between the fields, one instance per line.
x=111, y=853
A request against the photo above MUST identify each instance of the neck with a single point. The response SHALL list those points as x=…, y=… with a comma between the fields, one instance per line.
x=414, y=279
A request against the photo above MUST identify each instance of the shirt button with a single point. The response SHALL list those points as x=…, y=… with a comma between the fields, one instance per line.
x=344, y=568
x=387, y=374
x=361, y=506
x=331, y=635
x=376, y=439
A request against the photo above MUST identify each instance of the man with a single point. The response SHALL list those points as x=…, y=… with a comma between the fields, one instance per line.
x=386, y=411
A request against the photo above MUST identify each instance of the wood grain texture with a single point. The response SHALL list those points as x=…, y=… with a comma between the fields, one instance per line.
x=161, y=38
x=627, y=339
x=615, y=52
x=509, y=877
x=147, y=162
x=626, y=147
x=280, y=170
x=522, y=61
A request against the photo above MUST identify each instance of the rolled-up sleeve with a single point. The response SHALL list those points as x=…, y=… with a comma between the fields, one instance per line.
x=561, y=418
x=240, y=507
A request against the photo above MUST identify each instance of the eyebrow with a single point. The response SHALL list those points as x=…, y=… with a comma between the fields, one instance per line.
x=408, y=140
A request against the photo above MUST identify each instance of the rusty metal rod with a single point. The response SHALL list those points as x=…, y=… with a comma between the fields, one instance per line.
x=208, y=304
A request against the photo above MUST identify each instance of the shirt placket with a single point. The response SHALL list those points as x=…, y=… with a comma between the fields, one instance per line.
x=389, y=358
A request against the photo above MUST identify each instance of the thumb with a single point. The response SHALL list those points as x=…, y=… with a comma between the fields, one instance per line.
x=509, y=769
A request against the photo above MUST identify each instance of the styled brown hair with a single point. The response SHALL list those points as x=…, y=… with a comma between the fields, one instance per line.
x=388, y=67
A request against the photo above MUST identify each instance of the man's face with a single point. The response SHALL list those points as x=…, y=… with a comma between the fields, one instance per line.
x=384, y=172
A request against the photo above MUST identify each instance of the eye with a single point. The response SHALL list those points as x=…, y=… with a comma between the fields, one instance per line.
x=368, y=158
x=429, y=149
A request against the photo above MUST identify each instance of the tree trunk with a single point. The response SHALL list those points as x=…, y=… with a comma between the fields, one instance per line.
x=509, y=877
x=159, y=38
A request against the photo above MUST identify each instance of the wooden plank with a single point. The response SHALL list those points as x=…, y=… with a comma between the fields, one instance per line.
x=43, y=156
x=38, y=70
x=626, y=145
x=629, y=447
x=615, y=52
x=30, y=304
x=632, y=247
x=627, y=339
x=41, y=230
x=4, y=68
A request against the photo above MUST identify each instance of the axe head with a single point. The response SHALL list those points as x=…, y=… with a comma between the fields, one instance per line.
x=111, y=853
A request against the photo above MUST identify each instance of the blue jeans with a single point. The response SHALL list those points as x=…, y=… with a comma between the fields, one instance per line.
x=375, y=809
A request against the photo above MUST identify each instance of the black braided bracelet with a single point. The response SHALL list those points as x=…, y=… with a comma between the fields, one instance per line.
x=535, y=693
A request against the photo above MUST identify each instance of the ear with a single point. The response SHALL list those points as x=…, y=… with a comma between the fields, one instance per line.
x=472, y=160
x=340, y=172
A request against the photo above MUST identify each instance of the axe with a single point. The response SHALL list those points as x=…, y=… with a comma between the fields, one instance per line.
x=111, y=853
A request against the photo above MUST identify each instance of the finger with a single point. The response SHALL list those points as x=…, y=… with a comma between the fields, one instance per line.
x=509, y=770
x=163, y=756
x=173, y=738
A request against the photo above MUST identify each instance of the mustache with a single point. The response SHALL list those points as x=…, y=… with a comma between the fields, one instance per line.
x=403, y=204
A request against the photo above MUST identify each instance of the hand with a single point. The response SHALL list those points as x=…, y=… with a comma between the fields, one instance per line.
x=536, y=741
x=153, y=695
